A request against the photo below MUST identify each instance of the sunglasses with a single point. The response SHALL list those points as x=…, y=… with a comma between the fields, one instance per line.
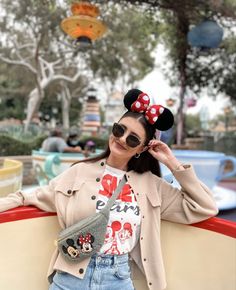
x=119, y=131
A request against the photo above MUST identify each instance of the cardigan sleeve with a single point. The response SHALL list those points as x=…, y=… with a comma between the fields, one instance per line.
x=41, y=197
x=192, y=203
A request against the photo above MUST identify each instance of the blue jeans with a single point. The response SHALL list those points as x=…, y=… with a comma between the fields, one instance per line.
x=104, y=272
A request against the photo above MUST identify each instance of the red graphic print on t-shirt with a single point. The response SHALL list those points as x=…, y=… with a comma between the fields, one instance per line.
x=123, y=226
x=116, y=226
x=109, y=184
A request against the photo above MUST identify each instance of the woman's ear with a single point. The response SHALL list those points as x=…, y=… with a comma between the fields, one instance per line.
x=145, y=148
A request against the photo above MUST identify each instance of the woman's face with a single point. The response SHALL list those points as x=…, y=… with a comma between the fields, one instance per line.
x=118, y=145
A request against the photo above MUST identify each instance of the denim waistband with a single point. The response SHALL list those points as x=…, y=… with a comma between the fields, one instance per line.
x=101, y=259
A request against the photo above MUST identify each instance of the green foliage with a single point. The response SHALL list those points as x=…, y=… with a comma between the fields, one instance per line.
x=120, y=58
x=214, y=69
x=192, y=125
x=75, y=111
x=13, y=108
x=125, y=53
x=11, y=146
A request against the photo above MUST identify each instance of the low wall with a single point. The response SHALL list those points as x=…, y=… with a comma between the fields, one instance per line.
x=197, y=257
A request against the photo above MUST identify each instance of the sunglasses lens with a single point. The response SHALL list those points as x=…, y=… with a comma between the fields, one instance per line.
x=132, y=141
x=118, y=130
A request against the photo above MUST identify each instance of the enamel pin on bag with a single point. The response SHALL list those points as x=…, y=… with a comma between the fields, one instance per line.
x=85, y=238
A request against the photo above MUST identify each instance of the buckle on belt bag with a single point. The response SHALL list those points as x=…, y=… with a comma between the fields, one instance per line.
x=85, y=238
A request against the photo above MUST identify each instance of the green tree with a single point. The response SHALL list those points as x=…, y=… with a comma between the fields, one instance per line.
x=31, y=40
x=124, y=56
x=36, y=43
x=190, y=69
x=192, y=125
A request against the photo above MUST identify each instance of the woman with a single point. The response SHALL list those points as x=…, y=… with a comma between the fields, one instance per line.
x=134, y=222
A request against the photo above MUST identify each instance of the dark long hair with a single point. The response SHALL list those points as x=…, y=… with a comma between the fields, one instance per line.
x=146, y=162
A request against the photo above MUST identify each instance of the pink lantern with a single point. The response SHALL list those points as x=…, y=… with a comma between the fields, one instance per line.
x=191, y=102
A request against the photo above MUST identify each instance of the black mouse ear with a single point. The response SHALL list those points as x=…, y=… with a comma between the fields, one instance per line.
x=160, y=117
x=165, y=121
x=130, y=97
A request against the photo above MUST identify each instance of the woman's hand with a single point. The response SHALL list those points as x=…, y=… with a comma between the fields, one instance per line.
x=163, y=153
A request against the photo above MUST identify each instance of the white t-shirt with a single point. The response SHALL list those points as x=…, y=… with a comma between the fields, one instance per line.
x=123, y=228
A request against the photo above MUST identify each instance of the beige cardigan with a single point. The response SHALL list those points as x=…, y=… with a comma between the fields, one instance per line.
x=71, y=195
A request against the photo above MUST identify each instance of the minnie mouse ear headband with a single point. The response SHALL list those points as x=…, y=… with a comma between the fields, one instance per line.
x=156, y=115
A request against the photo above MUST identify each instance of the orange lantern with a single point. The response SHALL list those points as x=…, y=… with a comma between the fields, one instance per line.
x=170, y=102
x=83, y=24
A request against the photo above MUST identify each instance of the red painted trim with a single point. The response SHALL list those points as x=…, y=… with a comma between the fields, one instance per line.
x=214, y=224
x=22, y=213
x=218, y=225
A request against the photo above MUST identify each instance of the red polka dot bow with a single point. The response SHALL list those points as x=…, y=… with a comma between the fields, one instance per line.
x=151, y=113
x=86, y=239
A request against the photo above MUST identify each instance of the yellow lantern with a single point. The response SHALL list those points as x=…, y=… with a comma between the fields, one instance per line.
x=83, y=24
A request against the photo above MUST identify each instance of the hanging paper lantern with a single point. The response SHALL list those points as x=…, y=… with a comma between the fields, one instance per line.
x=83, y=24
x=170, y=102
x=208, y=34
x=191, y=102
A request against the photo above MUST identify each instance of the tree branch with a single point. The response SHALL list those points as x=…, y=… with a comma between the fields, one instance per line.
x=65, y=78
x=18, y=62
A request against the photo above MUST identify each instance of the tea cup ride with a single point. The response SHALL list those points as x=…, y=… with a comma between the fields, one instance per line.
x=11, y=175
x=209, y=167
x=48, y=165
x=214, y=240
x=204, y=249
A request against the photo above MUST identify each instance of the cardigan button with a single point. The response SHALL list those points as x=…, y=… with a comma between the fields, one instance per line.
x=102, y=163
x=145, y=259
x=141, y=238
x=81, y=270
x=97, y=179
x=93, y=197
x=69, y=191
x=150, y=283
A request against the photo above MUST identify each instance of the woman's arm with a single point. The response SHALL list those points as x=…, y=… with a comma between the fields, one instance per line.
x=192, y=203
x=42, y=197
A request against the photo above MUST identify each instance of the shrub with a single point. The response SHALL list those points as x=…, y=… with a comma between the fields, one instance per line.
x=10, y=146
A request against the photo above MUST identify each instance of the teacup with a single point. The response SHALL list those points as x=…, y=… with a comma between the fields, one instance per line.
x=209, y=166
x=47, y=165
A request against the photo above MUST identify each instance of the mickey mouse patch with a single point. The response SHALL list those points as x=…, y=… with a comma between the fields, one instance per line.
x=84, y=244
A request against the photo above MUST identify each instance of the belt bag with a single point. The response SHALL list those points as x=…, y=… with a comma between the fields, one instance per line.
x=85, y=238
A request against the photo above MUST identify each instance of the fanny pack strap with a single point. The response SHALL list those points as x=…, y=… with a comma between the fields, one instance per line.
x=115, y=194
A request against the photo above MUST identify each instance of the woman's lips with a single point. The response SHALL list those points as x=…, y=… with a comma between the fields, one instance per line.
x=119, y=145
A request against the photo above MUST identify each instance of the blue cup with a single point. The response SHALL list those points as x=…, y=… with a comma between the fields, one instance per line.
x=48, y=165
x=209, y=166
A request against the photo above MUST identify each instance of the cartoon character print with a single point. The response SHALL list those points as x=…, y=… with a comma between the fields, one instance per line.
x=125, y=233
x=115, y=226
x=108, y=236
x=71, y=250
x=119, y=234
x=86, y=243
